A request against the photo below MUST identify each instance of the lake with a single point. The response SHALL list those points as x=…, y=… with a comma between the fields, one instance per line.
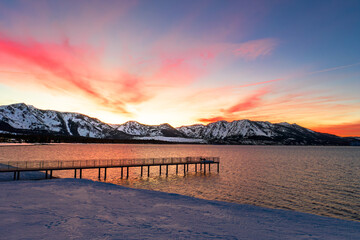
x=313, y=179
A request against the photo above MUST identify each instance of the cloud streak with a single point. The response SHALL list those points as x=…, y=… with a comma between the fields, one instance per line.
x=68, y=67
x=250, y=102
x=254, y=49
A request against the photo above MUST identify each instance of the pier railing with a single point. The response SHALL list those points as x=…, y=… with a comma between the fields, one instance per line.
x=11, y=166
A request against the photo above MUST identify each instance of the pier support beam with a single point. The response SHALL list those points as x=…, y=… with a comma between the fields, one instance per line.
x=204, y=168
x=75, y=173
x=122, y=172
x=209, y=167
x=46, y=174
x=177, y=168
x=167, y=169
x=14, y=175
x=196, y=167
x=218, y=167
x=127, y=172
x=105, y=173
x=141, y=171
x=99, y=174
x=80, y=173
x=51, y=174
x=187, y=167
x=149, y=171
x=184, y=169
x=18, y=175
x=160, y=170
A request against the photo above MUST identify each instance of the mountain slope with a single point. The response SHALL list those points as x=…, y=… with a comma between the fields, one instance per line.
x=137, y=129
x=21, y=118
x=257, y=132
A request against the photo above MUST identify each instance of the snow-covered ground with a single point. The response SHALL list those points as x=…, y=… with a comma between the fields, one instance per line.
x=83, y=209
x=172, y=139
x=15, y=144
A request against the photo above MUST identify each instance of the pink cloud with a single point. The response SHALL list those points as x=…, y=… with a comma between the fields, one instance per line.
x=72, y=69
x=250, y=102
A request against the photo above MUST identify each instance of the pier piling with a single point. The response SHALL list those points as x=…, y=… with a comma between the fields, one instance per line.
x=49, y=166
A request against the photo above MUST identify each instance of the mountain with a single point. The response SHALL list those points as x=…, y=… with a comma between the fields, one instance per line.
x=25, y=119
x=137, y=129
x=257, y=132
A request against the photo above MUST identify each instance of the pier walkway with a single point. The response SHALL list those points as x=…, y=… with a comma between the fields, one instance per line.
x=200, y=164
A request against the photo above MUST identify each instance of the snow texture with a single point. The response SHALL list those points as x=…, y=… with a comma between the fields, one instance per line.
x=172, y=139
x=26, y=119
x=82, y=209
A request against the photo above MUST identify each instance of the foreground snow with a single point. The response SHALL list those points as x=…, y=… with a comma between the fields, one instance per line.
x=83, y=209
x=172, y=139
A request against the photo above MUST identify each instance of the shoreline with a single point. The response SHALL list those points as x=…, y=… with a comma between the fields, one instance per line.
x=84, y=209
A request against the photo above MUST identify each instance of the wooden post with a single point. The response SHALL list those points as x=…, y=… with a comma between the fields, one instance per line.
x=99, y=174
x=141, y=171
x=149, y=171
x=51, y=174
x=205, y=168
x=184, y=169
x=187, y=167
x=167, y=169
x=217, y=167
x=195, y=167
x=200, y=166
x=122, y=172
x=209, y=167
x=105, y=173
x=14, y=175
x=80, y=174
x=18, y=175
x=177, y=168
x=160, y=169
x=75, y=173
x=127, y=172
x=46, y=174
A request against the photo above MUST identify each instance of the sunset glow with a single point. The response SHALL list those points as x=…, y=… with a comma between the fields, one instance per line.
x=186, y=62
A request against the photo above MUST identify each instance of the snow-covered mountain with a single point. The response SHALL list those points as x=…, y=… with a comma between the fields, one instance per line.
x=25, y=119
x=137, y=129
x=257, y=132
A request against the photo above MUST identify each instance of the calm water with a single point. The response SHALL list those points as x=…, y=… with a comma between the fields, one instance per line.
x=319, y=180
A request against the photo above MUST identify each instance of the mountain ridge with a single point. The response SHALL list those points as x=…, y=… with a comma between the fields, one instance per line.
x=21, y=118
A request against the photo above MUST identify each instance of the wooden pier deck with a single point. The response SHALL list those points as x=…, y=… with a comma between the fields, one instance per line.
x=200, y=164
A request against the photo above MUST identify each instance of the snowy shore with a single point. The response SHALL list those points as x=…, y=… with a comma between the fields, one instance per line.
x=83, y=209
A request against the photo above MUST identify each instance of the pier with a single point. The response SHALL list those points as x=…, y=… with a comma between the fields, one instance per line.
x=201, y=164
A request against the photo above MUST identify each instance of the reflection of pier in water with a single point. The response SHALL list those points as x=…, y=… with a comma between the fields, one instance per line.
x=200, y=164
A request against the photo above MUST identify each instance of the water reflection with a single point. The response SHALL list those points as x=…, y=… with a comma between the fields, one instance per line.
x=319, y=180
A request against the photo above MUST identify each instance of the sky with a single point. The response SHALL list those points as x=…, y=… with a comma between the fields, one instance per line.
x=186, y=62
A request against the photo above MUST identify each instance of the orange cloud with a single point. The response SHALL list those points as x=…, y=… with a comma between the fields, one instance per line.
x=210, y=120
x=249, y=103
x=351, y=129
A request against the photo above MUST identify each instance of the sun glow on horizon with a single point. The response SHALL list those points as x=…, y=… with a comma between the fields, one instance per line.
x=184, y=64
